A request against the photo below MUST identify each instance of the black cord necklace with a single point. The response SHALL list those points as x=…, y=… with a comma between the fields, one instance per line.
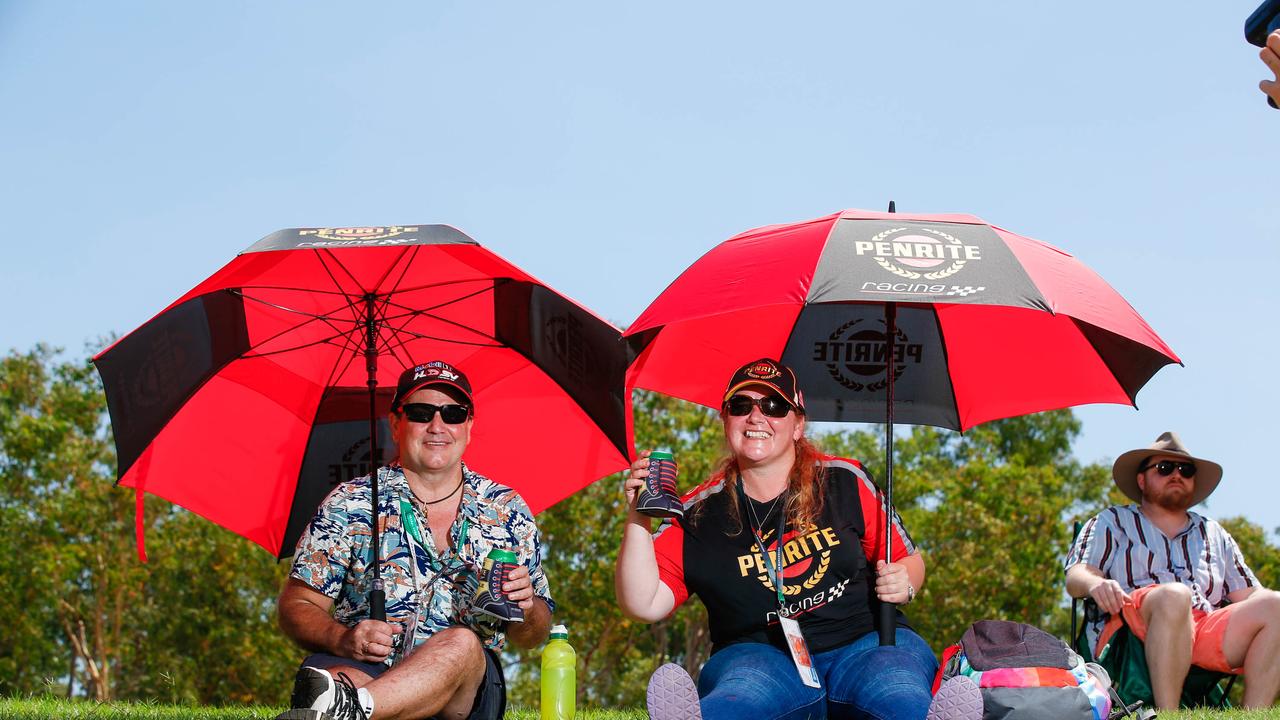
x=424, y=503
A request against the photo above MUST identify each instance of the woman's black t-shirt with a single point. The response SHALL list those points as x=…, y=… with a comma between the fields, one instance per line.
x=828, y=580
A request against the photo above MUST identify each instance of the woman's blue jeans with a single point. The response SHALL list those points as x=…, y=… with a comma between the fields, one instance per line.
x=860, y=680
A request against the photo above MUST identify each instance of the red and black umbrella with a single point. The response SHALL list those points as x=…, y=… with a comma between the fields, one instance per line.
x=250, y=397
x=981, y=323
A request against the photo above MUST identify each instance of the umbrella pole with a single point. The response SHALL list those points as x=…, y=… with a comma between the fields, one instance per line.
x=377, y=596
x=888, y=611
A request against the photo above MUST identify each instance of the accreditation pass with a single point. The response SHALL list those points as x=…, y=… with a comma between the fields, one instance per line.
x=799, y=652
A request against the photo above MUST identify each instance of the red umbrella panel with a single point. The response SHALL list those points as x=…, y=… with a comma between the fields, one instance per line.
x=248, y=399
x=990, y=324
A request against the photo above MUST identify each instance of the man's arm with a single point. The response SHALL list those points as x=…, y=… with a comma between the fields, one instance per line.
x=536, y=626
x=305, y=617
x=1088, y=581
x=537, y=614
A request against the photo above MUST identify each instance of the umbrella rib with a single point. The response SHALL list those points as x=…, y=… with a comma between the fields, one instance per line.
x=322, y=254
x=326, y=318
x=322, y=341
x=410, y=313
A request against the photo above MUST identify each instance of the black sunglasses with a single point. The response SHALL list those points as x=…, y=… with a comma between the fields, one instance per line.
x=771, y=405
x=1166, y=468
x=451, y=414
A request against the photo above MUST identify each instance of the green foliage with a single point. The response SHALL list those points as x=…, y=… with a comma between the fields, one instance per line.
x=96, y=620
x=991, y=510
x=1262, y=556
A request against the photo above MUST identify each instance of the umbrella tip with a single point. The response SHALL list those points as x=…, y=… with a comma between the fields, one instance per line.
x=893, y=208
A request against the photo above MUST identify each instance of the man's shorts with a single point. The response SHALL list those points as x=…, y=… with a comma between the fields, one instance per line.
x=1208, y=630
x=491, y=696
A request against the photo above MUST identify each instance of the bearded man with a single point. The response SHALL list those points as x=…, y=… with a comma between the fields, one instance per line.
x=1177, y=578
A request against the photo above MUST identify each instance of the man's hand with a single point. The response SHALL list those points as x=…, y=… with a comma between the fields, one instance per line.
x=369, y=641
x=519, y=588
x=1271, y=56
x=1109, y=596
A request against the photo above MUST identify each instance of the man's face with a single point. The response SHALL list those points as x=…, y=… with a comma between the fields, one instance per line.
x=1171, y=492
x=431, y=447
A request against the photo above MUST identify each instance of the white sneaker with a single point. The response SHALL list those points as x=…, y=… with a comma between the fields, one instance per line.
x=317, y=695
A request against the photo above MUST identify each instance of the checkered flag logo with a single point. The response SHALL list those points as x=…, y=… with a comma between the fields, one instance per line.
x=838, y=590
x=964, y=290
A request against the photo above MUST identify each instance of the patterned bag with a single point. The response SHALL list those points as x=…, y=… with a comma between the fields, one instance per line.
x=1025, y=673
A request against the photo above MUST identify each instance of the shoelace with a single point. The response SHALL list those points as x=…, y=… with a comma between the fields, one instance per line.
x=346, y=701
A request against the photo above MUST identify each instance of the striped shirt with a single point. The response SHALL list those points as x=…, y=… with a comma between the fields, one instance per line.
x=1128, y=548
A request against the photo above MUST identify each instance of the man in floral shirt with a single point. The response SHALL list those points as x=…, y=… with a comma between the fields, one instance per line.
x=435, y=656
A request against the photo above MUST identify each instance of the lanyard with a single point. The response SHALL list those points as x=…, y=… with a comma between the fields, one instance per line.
x=775, y=569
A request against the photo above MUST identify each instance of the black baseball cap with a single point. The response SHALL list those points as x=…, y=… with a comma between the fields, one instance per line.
x=436, y=372
x=772, y=374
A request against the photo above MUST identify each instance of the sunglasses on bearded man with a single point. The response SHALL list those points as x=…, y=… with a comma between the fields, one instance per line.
x=451, y=414
x=771, y=405
x=1166, y=468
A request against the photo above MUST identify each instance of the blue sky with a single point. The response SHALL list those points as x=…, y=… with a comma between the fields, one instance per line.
x=605, y=146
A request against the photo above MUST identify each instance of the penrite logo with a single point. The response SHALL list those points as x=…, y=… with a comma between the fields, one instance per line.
x=763, y=370
x=381, y=235
x=855, y=356
x=806, y=556
x=907, y=253
x=354, y=463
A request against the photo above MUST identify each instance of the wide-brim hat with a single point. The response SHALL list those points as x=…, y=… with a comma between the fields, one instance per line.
x=1125, y=469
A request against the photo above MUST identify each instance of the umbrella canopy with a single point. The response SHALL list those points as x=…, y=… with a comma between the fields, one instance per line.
x=248, y=399
x=989, y=324
x=933, y=319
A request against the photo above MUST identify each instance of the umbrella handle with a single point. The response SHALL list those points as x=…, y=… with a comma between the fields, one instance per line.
x=888, y=623
x=378, y=604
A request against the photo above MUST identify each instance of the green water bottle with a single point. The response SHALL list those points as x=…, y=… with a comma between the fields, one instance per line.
x=559, y=676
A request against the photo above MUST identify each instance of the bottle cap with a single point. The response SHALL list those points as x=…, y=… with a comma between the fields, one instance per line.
x=661, y=455
x=559, y=632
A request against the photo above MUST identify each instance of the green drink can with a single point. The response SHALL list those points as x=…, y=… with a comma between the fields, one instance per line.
x=489, y=598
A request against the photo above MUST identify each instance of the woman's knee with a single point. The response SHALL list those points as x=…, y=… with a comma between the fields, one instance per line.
x=754, y=680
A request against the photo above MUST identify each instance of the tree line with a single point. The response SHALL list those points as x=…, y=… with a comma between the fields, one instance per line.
x=991, y=510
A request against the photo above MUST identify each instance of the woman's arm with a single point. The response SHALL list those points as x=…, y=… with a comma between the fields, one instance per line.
x=641, y=594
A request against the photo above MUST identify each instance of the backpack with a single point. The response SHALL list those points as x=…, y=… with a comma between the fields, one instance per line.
x=1025, y=673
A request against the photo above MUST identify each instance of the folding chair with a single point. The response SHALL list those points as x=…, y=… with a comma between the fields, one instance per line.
x=1124, y=657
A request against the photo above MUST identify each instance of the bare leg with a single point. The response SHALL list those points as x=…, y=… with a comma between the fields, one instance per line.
x=1167, y=612
x=441, y=678
x=1252, y=641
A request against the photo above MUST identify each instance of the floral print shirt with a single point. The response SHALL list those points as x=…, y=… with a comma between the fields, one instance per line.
x=427, y=591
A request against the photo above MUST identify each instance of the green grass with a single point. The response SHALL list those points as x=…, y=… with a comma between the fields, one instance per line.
x=56, y=709
x=53, y=709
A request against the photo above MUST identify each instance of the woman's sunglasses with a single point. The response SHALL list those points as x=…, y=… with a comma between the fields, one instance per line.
x=1166, y=468
x=771, y=405
x=451, y=414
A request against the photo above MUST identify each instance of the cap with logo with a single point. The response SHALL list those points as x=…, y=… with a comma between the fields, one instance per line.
x=436, y=372
x=770, y=373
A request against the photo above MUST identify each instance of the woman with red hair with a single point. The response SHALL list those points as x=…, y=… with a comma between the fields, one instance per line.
x=781, y=546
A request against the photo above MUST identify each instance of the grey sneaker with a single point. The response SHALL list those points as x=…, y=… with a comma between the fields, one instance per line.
x=318, y=696
x=959, y=698
x=672, y=695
